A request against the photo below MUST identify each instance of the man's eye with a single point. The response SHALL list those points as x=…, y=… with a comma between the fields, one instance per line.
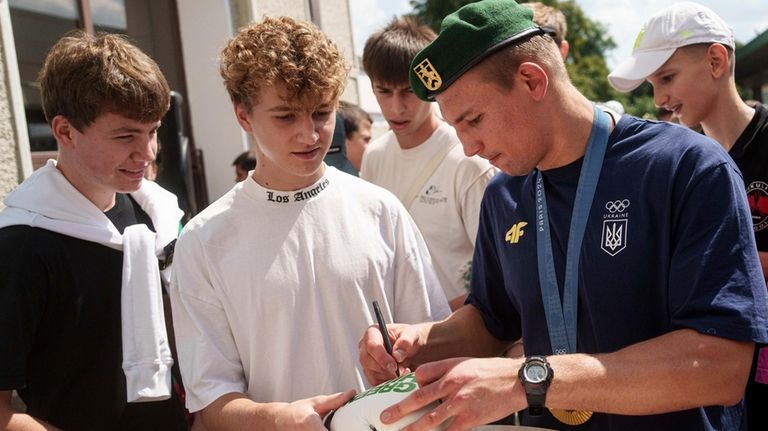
x=475, y=121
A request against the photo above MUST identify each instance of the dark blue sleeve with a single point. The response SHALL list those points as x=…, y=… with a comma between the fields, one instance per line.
x=487, y=290
x=716, y=282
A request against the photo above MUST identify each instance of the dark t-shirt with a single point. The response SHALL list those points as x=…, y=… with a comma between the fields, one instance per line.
x=751, y=155
x=60, y=344
x=127, y=212
x=668, y=245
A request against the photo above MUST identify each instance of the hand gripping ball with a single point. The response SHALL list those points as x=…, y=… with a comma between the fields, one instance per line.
x=362, y=412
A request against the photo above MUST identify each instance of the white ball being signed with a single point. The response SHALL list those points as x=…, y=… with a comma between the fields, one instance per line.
x=362, y=412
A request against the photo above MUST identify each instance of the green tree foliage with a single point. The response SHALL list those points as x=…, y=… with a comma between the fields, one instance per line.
x=432, y=12
x=589, y=42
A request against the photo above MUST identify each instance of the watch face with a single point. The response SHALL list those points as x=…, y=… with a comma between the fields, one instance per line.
x=535, y=373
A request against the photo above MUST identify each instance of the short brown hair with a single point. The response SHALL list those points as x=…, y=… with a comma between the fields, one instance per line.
x=282, y=51
x=698, y=50
x=352, y=115
x=84, y=76
x=550, y=19
x=538, y=49
x=388, y=53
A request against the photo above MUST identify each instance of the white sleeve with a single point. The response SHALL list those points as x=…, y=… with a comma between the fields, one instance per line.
x=418, y=294
x=470, y=199
x=208, y=358
x=370, y=165
x=365, y=166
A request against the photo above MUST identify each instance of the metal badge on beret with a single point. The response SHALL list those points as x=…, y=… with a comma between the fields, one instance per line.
x=428, y=75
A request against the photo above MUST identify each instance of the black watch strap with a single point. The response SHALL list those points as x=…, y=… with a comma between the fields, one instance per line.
x=536, y=375
x=535, y=407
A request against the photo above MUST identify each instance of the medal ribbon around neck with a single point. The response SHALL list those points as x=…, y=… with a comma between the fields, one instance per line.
x=562, y=320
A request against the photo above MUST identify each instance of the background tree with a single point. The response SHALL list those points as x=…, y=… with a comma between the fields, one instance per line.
x=432, y=12
x=589, y=41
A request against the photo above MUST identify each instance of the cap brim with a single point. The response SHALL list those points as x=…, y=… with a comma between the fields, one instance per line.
x=636, y=69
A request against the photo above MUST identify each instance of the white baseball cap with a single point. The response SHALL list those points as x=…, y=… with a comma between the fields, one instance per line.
x=682, y=24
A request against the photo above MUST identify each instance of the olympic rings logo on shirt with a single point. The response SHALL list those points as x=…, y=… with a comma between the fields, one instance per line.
x=617, y=205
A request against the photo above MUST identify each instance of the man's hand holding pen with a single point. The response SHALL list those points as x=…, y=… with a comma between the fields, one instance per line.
x=384, y=333
x=380, y=366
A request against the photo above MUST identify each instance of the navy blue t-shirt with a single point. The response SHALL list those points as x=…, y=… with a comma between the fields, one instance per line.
x=668, y=245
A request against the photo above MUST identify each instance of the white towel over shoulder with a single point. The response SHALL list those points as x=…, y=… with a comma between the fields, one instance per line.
x=48, y=201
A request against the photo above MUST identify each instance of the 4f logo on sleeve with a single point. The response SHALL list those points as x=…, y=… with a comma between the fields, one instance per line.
x=515, y=232
x=615, y=224
x=428, y=75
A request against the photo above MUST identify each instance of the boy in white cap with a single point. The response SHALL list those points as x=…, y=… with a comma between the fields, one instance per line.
x=686, y=52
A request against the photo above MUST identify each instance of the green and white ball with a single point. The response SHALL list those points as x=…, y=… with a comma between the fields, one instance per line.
x=363, y=411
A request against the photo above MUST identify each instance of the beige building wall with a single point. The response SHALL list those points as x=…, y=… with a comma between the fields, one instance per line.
x=294, y=8
x=336, y=22
x=15, y=162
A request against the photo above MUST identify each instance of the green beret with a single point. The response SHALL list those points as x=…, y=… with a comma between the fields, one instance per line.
x=467, y=36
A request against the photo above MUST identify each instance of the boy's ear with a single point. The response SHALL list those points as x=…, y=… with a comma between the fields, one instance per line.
x=241, y=113
x=565, y=47
x=717, y=60
x=63, y=131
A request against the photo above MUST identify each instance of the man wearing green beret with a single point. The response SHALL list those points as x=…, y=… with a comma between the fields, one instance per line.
x=620, y=250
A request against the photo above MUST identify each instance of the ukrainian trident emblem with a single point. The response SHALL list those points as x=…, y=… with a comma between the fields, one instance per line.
x=614, y=236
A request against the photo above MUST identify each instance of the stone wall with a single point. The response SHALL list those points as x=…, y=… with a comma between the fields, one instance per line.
x=11, y=172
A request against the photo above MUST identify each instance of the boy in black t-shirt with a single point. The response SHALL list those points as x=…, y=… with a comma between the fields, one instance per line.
x=687, y=54
x=82, y=330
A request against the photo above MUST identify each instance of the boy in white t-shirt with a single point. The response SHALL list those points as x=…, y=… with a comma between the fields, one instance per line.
x=275, y=279
x=421, y=160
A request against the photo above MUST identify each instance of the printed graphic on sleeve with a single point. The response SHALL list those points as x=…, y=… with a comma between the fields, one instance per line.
x=757, y=196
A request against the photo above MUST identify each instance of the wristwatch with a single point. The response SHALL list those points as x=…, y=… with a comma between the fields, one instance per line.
x=536, y=375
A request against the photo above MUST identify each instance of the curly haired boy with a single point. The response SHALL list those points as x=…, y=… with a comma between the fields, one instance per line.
x=276, y=278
